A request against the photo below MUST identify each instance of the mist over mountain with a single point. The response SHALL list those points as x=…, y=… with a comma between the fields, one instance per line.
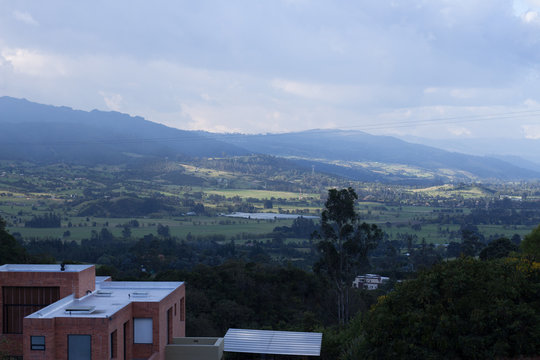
x=333, y=146
x=524, y=153
x=43, y=133
x=36, y=132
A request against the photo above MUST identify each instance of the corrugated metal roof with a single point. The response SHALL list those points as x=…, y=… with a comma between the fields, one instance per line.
x=273, y=342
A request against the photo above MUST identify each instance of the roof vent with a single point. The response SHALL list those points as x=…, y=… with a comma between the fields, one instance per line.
x=139, y=294
x=104, y=293
x=80, y=310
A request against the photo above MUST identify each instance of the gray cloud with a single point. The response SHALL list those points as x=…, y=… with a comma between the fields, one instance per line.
x=222, y=65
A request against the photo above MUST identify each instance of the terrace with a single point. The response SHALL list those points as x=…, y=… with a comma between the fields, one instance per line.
x=195, y=348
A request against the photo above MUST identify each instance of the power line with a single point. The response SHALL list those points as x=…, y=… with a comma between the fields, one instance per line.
x=223, y=137
x=446, y=120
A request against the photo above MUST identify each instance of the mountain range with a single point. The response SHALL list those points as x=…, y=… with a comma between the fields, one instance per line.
x=44, y=133
x=357, y=152
x=36, y=132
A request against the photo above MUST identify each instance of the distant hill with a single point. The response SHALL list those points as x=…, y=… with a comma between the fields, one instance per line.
x=43, y=133
x=357, y=154
x=524, y=153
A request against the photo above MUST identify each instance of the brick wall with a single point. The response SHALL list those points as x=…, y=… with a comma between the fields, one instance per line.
x=39, y=327
x=178, y=327
x=158, y=313
x=84, y=281
x=69, y=283
x=116, y=323
x=56, y=330
x=96, y=327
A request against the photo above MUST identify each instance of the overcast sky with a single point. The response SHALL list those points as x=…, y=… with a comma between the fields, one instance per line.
x=430, y=68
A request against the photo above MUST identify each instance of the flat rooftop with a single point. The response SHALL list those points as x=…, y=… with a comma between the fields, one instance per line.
x=100, y=279
x=43, y=268
x=108, y=298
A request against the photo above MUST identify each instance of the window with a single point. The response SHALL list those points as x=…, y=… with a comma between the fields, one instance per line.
x=20, y=301
x=142, y=330
x=114, y=344
x=124, y=345
x=37, y=342
x=182, y=309
x=79, y=347
x=169, y=325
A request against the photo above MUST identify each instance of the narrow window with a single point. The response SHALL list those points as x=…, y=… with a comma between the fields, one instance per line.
x=169, y=325
x=182, y=309
x=114, y=342
x=142, y=330
x=37, y=342
x=124, y=345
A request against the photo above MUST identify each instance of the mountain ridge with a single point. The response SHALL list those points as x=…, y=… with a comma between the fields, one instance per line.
x=358, y=146
x=37, y=132
x=82, y=135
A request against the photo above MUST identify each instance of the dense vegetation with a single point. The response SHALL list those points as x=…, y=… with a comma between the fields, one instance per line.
x=441, y=313
x=11, y=252
x=162, y=220
x=461, y=309
x=242, y=294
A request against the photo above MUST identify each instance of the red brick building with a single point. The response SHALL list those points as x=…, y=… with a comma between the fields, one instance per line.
x=67, y=313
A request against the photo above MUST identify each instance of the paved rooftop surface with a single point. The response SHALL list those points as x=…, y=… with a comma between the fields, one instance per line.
x=108, y=298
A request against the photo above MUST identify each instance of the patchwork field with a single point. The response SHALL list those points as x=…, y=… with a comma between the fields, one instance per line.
x=81, y=196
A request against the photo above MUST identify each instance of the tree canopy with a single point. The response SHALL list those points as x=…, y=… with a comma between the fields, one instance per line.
x=10, y=250
x=497, y=249
x=530, y=245
x=344, y=245
x=464, y=308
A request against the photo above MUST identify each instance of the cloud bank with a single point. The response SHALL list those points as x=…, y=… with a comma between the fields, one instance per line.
x=270, y=66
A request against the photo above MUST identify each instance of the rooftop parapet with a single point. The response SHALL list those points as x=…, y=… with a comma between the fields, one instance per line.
x=43, y=268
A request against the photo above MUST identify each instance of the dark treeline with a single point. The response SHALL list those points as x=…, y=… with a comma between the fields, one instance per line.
x=130, y=258
x=49, y=220
x=499, y=212
x=300, y=228
x=11, y=251
x=126, y=207
x=127, y=258
x=258, y=296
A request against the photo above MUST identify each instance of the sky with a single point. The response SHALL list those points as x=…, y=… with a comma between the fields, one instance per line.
x=426, y=68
